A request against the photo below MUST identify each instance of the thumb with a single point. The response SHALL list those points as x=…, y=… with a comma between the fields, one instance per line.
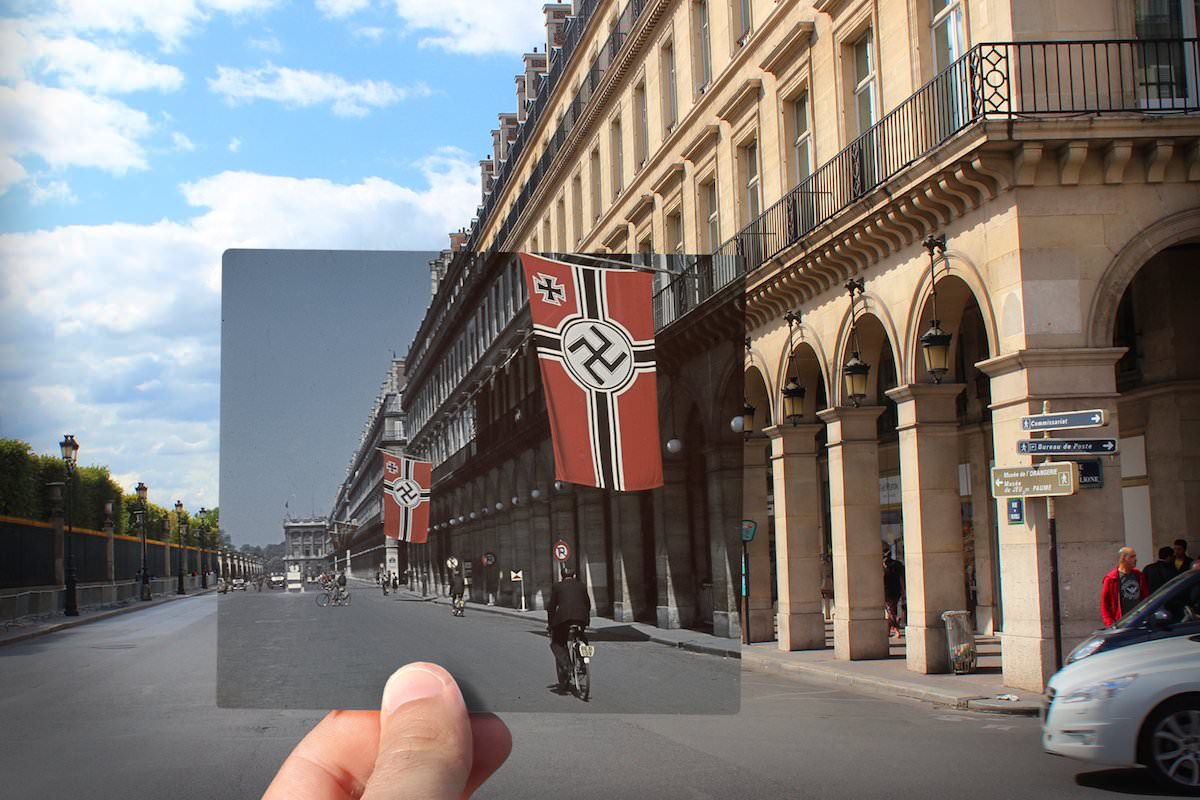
x=425, y=746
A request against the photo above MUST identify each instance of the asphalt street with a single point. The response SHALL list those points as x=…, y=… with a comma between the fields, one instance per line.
x=126, y=708
x=279, y=650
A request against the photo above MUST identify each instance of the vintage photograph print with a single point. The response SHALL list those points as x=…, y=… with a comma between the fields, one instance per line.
x=524, y=467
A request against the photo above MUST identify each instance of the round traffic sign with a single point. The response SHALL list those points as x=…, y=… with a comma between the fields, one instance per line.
x=489, y=559
x=451, y=562
x=562, y=550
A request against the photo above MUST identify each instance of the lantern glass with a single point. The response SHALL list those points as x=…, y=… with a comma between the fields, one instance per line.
x=855, y=373
x=793, y=400
x=674, y=446
x=69, y=448
x=748, y=418
x=935, y=345
x=143, y=491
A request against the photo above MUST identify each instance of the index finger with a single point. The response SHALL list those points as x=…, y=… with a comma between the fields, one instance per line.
x=332, y=762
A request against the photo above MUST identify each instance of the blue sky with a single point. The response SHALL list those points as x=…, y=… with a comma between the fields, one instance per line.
x=140, y=139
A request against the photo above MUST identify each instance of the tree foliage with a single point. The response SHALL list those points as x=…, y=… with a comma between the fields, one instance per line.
x=23, y=491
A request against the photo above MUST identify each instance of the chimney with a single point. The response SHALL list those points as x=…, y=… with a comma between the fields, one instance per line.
x=556, y=22
x=508, y=131
x=487, y=176
x=458, y=240
x=521, y=96
x=498, y=151
x=535, y=68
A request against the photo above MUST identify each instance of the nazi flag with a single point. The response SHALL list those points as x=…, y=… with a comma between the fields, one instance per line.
x=406, y=498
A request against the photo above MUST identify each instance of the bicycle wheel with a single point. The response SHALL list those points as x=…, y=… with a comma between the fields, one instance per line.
x=323, y=599
x=580, y=675
x=346, y=599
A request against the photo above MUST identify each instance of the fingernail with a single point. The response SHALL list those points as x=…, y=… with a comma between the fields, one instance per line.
x=413, y=682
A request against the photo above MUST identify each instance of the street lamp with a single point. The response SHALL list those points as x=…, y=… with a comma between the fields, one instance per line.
x=793, y=401
x=856, y=370
x=70, y=450
x=140, y=515
x=180, y=531
x=202, y=532
x=935, y=342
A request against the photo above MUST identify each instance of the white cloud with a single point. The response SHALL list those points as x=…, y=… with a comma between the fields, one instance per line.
x=182, y=142
x=67, y=127
x=336, y=9
x=302, y=88
x=267, y=44
x=468, y=26
x=85, y=65
x=52, y=192
x=132, y=312
x=168, y=21
x=371, y=34
x=235, y=144
x=11, y=173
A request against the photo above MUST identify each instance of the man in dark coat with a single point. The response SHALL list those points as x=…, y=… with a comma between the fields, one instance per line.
x=457, y=587
x=1160, y=571
x=569, y=604
x=1182, y=562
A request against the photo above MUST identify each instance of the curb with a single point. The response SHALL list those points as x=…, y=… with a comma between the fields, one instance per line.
x=893, y=688
x=98, y=616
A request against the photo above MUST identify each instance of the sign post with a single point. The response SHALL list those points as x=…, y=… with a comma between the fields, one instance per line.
x=749, y=527
x=517, y=576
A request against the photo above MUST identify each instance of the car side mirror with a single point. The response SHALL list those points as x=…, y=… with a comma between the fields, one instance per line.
x=1161, y=618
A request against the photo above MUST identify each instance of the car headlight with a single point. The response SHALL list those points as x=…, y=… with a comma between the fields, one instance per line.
x=1084, y=650
x=1104, y=690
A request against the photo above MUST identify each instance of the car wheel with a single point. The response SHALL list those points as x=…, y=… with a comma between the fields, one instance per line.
x=1170, y=744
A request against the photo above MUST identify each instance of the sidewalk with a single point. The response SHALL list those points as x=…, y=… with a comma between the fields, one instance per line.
x=981, y=691
x=20, y=630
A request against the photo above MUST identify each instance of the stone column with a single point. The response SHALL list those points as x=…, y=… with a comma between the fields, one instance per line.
x=676, y=581
x=859, y=626
x=933, y=568
x=505, y=556
x=754, y=507
x=591, y=553
x=522, y=533
x=797, y=473
x=563, y=526
x=626, y=515
x=1090, y=529
x=539, y=578
x=57, y=531
x=724, y=474
x=109, y=559
x=979, y=439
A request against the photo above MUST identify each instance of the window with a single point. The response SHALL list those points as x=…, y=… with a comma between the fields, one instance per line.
x=865, y=109
x=597, y=200
x=801, y=140
x=742, y=18
x=670, y=97
x=1168, y=70
x=641, y=119
x=617, y=158
x=947, y=27
x=577, y=207
x=752, y=198
x=547, y=242
x=710, y=212
x=561, y=215
x=701, y=49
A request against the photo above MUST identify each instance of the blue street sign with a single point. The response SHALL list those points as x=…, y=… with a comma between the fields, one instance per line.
x=1064, y=420
x=1091, y=474
x=1016, y=511
x=1067, y=447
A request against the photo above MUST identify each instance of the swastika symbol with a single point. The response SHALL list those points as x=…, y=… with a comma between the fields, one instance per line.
x=549, y=288
x=407, y=492
x=597, y=348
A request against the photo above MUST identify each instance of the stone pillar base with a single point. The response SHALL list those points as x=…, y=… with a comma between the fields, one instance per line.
x=623, y=612
x=669, y=617
x=860, y=639
x=802, y=631
x=1028, y=662
x=762, y=625
x=726, y=625
x=925, y=649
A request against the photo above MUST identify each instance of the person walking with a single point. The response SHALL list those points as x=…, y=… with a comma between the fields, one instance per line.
x=893, y=590
x=1183, y=562
x=827, y=586
x=457, y=587
x=1160, y=571
x=1123, y=588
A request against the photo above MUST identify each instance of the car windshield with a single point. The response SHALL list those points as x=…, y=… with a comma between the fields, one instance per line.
x=1180, y=597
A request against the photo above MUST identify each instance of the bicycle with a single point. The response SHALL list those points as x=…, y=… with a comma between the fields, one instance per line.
x=333, y=595
x=459, y=606
x=581, y=658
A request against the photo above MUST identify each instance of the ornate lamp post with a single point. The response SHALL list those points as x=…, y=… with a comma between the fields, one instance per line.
x=935, y=342
x=140, y=516
x=202, y=536
x=70, y=449
x=180, y=533
x=856, y=370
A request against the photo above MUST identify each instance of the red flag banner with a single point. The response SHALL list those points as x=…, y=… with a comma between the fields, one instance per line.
x=406, y=498
x=594, y=334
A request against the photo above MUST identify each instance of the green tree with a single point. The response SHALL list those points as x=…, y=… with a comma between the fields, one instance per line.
x=19, y=472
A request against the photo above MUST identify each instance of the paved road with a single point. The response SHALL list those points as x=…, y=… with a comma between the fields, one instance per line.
x=280, y=650
x=125, y=708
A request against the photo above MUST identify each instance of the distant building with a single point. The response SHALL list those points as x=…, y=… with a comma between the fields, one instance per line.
x=307, y=544
x=357, y=516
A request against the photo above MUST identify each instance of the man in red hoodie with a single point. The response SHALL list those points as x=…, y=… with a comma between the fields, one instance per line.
x=1123, y=588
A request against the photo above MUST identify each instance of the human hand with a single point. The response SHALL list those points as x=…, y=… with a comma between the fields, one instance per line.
x=422, y=745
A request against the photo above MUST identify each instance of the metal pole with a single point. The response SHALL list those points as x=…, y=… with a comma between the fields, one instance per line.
x=179, y=557
x=1055, y=604
x=70, y=585
x=745, y=593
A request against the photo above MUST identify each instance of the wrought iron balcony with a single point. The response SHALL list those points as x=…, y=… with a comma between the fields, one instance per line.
x=1005, y=80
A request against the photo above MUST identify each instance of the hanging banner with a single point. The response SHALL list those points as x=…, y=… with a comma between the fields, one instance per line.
x=593, y=330
x=406, y=498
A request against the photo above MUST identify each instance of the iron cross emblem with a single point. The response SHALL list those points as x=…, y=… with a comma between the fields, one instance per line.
x=550, y=289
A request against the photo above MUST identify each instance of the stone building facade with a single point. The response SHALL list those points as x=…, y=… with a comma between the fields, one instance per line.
x=809, y=144
x=308, y=546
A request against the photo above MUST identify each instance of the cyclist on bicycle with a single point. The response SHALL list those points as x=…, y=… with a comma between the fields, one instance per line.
x=340, y=584
x=458, y=586
x=569, y=605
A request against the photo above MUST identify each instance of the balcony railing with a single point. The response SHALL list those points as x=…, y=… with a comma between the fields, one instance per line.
x=995, y=80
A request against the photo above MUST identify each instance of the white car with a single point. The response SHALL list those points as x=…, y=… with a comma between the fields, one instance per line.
x=1136, y=705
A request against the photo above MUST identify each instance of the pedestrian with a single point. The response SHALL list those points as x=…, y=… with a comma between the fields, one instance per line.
x=893, y=590
x=827, y=586
x=395, y=581
x=1183, y=562
x=1160, y=571
x=457, y=586
x=1123, y=588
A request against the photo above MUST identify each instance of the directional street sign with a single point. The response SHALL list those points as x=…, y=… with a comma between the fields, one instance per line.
x=1052, y=479
x=1065, y=420
x=1067, y=447
x=516, y=576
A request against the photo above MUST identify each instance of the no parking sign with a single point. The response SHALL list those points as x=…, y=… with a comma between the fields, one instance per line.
x=562, y=550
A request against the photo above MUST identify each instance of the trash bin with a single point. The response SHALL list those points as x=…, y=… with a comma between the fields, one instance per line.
x=960, y=641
